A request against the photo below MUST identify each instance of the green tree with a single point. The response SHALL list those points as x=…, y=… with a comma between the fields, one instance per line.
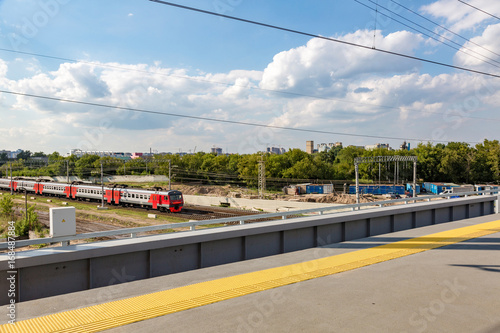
x=24, y=155
x=29, y=221
x=7, y=206
x=486, y=162
x=39, y=154
x=345, y=162
x=85, y=166
x=455, y=163
x=429, y=160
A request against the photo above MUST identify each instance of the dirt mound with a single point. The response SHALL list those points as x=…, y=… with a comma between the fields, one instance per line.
x=217, y=191
x=337, y=198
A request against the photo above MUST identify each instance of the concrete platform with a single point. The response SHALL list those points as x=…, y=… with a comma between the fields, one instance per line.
x=455, y=288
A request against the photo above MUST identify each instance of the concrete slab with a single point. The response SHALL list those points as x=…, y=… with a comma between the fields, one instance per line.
x=270, y=206
x=451, y=289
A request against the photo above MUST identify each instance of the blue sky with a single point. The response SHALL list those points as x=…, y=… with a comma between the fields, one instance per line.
x=203, y=66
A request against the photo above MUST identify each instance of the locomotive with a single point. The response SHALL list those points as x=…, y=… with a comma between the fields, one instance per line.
x=171, y=200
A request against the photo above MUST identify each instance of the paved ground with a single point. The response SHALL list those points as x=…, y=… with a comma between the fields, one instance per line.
x=451, y=289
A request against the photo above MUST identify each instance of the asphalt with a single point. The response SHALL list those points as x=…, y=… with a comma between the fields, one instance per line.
x=455, y=288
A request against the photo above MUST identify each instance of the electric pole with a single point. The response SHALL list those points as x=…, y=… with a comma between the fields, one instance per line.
x=11, y=182
x=102, y=186
x=262, y=177
x=169, y=175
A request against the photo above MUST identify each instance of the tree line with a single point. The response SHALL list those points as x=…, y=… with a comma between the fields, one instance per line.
x=456, y=162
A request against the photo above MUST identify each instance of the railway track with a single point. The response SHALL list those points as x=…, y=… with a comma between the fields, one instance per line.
x=202, y=213
x=189, y=212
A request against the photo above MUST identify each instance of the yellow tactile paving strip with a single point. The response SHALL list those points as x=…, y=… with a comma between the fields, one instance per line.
x=113, y=314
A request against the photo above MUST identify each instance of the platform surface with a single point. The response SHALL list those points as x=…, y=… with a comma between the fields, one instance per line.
x=451, y=288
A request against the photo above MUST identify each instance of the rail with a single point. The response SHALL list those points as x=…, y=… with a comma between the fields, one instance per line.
x=242, y=219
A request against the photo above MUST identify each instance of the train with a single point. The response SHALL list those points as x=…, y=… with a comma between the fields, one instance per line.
x=168, y=201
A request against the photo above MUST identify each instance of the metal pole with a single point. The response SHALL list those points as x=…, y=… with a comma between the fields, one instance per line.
x=11, y=183
x=415, y=179
x=26, y=205
x=356, y=170
x=379, y=172
x=397, y=176
x=169, y=175
x=496, y=204
x=67, y=171
x=102, y=186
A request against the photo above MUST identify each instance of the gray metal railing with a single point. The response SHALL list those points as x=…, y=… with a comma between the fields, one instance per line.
x=242, y=219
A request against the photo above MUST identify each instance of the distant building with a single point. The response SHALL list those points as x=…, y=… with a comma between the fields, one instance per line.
x=12, y=154
x=310, y=147
x=276, y=150
x=216, y=150
x=378, y=146
x=324, y=147
x=405, y=146
x=136, y=155
x=100, y=153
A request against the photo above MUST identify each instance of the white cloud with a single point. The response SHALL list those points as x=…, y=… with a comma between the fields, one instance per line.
x=321, y=66
x=460, y=17
x=487, y=44
x=3, y=69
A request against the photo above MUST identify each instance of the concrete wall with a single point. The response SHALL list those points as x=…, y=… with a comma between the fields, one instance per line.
x=271, y=206
x=53, y=271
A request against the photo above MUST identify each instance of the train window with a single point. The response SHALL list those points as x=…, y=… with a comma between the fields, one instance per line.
x=176, y=197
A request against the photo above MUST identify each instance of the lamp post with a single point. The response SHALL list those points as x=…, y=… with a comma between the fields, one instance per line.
x=25, y=204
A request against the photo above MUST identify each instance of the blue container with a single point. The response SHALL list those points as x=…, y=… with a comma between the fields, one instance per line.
x=314, y=189
x=378, y=190
x=409, y=188
x=437, y=188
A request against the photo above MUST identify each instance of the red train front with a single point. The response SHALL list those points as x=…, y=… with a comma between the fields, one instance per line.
x=175, y=201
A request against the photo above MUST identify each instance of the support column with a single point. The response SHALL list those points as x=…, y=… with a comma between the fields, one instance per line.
x=356, y=170
x=497, y=203
x=415, y=179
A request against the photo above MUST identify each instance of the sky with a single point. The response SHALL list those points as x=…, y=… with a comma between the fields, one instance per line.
x=135, y=75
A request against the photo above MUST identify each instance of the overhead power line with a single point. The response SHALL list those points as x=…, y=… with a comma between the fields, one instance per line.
x=483, y=11
x=325, y=38
x=459, y=47
x=444, y=28
x=234, y=122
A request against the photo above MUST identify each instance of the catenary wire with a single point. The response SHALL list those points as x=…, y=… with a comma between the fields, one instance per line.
x=325, y=38
x=221, y=120
x=461, y=48
x=444, y=28
x=479, y=9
